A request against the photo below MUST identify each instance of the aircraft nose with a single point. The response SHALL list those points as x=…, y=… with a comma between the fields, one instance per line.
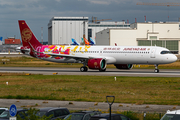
x=174, y=58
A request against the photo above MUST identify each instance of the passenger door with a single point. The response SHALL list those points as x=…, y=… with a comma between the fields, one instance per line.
x=153, y=51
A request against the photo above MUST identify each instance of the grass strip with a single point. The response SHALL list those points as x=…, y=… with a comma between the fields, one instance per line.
x=135, y=90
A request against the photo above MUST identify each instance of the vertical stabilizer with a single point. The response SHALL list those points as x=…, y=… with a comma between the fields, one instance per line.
x=1, y=38
x=86, y=41
x=92, y=42
x=27, y=36
x=74, y=42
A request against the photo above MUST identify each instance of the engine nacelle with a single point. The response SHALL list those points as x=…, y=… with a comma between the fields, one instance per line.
x=97, y=63
x=123, y=66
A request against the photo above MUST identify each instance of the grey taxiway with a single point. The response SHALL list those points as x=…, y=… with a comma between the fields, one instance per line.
x=109, y=71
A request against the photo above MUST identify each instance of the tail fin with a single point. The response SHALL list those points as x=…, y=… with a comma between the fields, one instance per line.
x=92, y=41
x=74, y=42
x=82, y=40
x=86, y=41
x=1, y=38
x=27, y=36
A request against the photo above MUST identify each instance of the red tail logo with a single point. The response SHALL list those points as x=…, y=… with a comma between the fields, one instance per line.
x=28, y=38
x=26, y=35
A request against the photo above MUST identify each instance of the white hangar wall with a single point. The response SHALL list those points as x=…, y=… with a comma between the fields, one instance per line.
x=62, y=29
x=94, y=28
x=124, y=37
x=144, y=34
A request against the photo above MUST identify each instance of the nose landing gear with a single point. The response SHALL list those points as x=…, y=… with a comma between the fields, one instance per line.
x=156, y=68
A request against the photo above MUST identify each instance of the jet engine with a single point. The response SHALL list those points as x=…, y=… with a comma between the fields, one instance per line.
x=97, y=63
x=123, y=66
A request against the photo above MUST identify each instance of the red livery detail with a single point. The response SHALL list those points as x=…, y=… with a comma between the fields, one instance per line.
x=98, y=63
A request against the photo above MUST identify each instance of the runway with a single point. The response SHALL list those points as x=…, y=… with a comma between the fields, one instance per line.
x=109, y=71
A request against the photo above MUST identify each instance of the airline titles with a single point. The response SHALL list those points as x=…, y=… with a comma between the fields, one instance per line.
x=135, y=49
x=111, y=48
x=127, y=49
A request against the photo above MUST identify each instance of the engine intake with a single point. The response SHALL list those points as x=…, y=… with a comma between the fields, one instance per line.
x=123, y=66
x=98, y=64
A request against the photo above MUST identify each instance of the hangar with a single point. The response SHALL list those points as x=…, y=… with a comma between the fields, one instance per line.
x=143, y=34
x=164, y=34
x=93, y=28
x=62, y=29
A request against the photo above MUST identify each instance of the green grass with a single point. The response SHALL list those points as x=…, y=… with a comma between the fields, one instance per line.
x=135, y=90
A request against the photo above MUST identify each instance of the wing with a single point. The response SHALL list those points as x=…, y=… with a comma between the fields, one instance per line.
x=68, y=56
x=82, y=57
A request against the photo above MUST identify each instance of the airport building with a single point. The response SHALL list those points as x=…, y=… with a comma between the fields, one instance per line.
x=96, y=27
x=62, y=29
x=143, y=34
x=165, y=34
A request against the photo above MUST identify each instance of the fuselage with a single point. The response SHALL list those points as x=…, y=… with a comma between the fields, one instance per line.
x=112, y=54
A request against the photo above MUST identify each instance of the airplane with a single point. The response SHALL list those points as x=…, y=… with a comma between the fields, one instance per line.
x=86, y=41
x=82, y=40
x=1, y=38
x=74, y=42
x=92, y=42
x=94, y=57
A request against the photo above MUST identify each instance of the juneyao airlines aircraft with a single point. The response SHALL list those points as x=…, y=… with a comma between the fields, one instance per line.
x=95, y=57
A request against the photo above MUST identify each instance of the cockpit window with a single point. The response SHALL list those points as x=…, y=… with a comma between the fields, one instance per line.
x=166, y=52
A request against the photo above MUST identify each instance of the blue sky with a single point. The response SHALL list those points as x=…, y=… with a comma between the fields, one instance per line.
x=37, y=13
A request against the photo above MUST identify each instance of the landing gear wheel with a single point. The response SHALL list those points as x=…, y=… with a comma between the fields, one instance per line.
x=156, y=70
x=83, y=69
x=102, y=70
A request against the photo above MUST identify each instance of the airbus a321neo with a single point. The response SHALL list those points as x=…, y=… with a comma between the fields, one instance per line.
x=94, y=57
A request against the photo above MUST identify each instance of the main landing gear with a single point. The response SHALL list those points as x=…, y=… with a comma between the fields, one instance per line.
x=156, y=68
x=83, y=69
x=102, y=70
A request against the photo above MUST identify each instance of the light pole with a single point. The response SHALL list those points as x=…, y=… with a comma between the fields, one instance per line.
x=110, y=103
